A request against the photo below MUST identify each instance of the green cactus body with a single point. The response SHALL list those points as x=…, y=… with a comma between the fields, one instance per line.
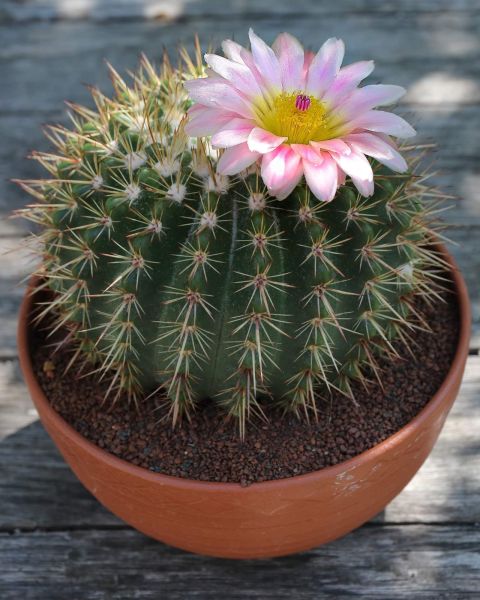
x=170, y=276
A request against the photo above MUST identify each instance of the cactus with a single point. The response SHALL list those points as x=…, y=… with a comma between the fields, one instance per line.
x=169, y=276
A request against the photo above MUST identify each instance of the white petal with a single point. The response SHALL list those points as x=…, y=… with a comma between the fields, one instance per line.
x=325, y=67
x=382, y=122
x=281, y=171
x=373, y=145
x=205, y=121
x=237, y=74
x=232, y=50
x=370, y=96
x=291, y=58
x=347, y=80
x=334, y=145
x=322, y=178
x=355, y=165
x=236, y=159
x=233, y=133
x=219, y=94
x=265, y=61
x=308, y=152
x=263, y=141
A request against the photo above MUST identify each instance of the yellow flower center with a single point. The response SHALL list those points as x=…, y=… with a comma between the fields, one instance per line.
x=299, y=118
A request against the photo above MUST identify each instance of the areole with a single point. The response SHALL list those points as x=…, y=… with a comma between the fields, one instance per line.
x=266, y=519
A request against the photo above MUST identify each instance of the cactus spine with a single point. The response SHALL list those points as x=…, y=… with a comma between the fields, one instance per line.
x=168, y=275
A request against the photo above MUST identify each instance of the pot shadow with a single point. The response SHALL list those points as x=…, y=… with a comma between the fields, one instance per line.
x=426, y=537
x=49, y=513
x=38, y=489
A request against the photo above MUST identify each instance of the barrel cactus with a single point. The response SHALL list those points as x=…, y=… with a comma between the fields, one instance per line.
x=169, y=274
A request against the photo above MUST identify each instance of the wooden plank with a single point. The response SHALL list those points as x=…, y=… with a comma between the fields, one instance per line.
x=465, y=250
x=42, y=491
x=52, y=59
x=104, y=559
x=48, y=10
x=420, y=562
x=16, y=263
x=448, y=485
x=37, y=489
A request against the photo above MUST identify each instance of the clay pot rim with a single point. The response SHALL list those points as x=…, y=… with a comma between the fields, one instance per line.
x=191, y=484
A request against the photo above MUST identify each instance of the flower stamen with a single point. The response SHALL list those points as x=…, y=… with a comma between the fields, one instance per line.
x=298, y=117
x=302, y=102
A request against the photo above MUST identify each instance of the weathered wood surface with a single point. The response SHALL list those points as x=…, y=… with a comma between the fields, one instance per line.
x=396, y=563
x=434, y=54
x=56, y=541
x=47, y=10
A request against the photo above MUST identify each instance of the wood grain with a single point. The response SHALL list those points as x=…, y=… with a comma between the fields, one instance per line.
x=425, y=545
x=22, y=11
x=443, y=97
x=398, y=563
x=41, y=57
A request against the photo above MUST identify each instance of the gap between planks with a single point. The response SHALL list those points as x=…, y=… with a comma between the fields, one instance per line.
x=124, y=527
x=428, y=563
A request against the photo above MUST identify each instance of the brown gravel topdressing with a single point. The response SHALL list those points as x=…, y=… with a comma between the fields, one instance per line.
x=208, y=447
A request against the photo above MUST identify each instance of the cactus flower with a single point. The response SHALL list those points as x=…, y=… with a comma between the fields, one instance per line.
x=297, y=114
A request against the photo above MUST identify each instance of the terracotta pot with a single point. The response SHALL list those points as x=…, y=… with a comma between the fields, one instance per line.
x=266, y=519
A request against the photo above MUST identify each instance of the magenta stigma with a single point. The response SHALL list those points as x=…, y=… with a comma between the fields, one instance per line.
x=302, y=102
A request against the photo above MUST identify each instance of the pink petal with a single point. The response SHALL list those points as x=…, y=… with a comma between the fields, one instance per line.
x=368, y=97
x=281, y=171
x=308, y=152
x=232, y=50
x=196, y=109
x=347, y=80
x=322, y=178
x=250, y=63
x=265, y=61
x=366, y=188
x=232, y=133
x=237, y=74
x=205, y=121
x=291, y=58
x=219, y=94
x=236, y=159
x=263, y=141
x=355, y=164
x=309, y=56
x=382, y=122
x=332, y=146
x=372, y=145
x=325, y=67
x=359, y=169
x=283, y=192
